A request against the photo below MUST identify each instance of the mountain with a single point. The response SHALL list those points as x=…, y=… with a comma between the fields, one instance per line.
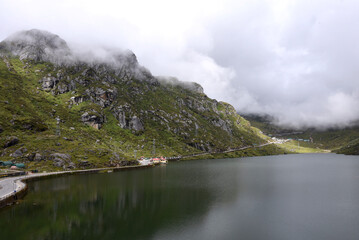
x=340, y=140
x=36, y=45
x=59, y=109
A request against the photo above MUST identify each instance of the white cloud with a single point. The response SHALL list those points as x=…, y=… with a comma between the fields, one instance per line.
x=296, y=59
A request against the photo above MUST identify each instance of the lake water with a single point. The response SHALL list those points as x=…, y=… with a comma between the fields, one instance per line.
x=299, y=197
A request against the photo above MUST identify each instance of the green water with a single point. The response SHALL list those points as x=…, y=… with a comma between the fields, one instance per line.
x=314, y=196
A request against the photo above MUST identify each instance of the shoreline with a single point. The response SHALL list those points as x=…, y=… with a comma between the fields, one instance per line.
x=14, y=188
x=9, y=196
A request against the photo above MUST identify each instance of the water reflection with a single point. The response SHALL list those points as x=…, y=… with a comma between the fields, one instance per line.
x=279, y=197
x=130, y=204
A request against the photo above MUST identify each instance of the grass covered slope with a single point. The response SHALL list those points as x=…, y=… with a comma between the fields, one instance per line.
x=344, y=141
x=106, y=118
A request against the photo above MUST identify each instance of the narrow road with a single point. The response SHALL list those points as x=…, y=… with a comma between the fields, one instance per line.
x=227, y=151
x=7, y=186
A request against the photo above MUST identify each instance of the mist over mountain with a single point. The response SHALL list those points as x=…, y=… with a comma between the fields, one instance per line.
x=37, y=45
x=107, y=106
x=294, y=60
x=40, y=45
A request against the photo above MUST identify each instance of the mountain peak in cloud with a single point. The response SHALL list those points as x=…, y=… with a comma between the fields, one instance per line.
x=40, y=45
x=35, y=44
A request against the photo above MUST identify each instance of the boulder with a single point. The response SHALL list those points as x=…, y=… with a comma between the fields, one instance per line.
x=60, y=159
x=58, y=162
x=61, y=155
x=136, y=124
x=19, y=152
x=84, y=164
x=127, y=163
x=11, y=141
x=38, y=157
x=30, y=156
x=222, y=124
x=71, y=165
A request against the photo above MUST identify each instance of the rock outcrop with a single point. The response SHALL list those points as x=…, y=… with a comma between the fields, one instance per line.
x=11, y=141
x=19, y=152
x=48, y=83
x=127, y=119
x=94, y=120
x=78, y=99
x=135, y=124
x=111, y=92
x=38, y=157
x=84, y=164
x=62, y=160
x=102, y=97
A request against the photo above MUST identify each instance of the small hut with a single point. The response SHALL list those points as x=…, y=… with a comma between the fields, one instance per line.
x=20, y=165
x=7, y=163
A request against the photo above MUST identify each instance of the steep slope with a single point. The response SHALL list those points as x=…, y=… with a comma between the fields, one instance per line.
x=108, y=109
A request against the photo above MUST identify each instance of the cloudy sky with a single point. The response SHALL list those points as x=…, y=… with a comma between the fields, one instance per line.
x=297, y=60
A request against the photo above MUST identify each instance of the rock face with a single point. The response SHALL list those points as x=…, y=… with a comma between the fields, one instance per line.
x=62, y=88
x=61, y=159
x=78, y=99
x=48, y=83
x=102, y=97
x=222, y=124
x=127, y=118
x=11, y=141
x=115, y=90
x=197, y=87
x=120, y=113
x=136, y=124
x=93, y=120
x=35, y=157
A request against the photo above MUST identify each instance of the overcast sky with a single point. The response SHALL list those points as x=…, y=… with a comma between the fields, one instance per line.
x=297, y=60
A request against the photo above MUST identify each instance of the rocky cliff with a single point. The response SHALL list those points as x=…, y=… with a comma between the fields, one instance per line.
x=103, y=110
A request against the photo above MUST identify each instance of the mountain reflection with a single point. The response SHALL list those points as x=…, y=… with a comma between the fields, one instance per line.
x=123, y=205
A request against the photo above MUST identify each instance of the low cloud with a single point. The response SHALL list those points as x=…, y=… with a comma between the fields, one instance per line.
x=295, y=60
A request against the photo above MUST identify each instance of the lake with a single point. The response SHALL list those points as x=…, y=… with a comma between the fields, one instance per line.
x=304, y=196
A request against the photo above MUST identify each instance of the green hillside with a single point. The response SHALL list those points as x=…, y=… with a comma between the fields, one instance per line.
x=340, y=140
x=108, y=111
